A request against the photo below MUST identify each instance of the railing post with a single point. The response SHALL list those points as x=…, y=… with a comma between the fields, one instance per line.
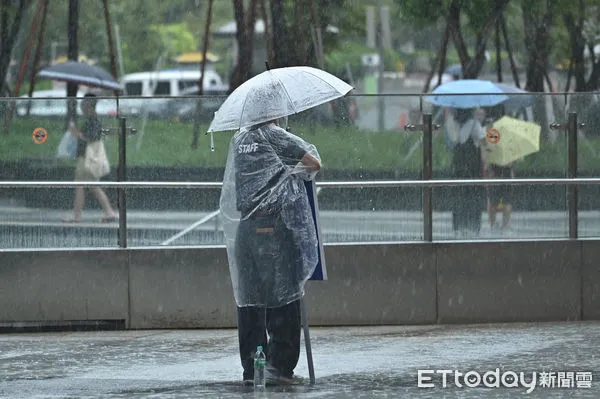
x=427, y=128
x=572, y=189
x=121, y=177
x=427, y=175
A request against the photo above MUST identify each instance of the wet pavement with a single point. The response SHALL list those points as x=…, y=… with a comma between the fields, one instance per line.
x=350, y=362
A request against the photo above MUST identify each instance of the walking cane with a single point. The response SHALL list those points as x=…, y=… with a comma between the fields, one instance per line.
x=309, y=359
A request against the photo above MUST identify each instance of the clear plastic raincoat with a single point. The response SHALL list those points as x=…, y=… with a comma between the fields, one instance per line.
x=269, y=229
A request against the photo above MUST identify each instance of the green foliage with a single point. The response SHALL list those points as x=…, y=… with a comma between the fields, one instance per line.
x=350, y=53
x=176, y=38
x=421, y=12
x=346, y=53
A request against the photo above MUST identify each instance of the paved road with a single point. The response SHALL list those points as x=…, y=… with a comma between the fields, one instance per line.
x=22, y=227
x=350, y=362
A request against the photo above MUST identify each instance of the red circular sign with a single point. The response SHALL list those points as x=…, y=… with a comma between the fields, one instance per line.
x=39, y=135
x=493, y=136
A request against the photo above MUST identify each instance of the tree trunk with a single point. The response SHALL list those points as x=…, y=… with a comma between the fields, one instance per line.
x=197, y=114
x=7, y=43
x=244, y=21
x=472, y=65
x=537, y=37
x=453, y=21
x=439, y=63
x=281, y=48
x=498, y=51
x=9, y=36
x=317, y=35
x=73, y=55
x=537, y=42
x=38, y=53
x=111, y=51
x=268, y=32
x=577, y=42
x=513, y=65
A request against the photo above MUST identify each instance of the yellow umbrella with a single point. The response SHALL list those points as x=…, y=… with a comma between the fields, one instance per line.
x=511, y=139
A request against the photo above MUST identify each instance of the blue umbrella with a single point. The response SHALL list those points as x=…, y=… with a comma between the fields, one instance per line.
x=467, y=93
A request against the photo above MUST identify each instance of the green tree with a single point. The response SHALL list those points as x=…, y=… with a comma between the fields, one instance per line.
x=581, y=23
x=481, y=16
x=11, y=16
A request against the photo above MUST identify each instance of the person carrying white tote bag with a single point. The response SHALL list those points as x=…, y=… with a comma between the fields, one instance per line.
x=92, y=162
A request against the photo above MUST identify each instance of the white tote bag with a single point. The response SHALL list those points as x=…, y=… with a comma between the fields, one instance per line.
x=96, y=161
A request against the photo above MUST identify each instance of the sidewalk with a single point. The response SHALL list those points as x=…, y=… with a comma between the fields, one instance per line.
x=22, y=227
x=350, y=362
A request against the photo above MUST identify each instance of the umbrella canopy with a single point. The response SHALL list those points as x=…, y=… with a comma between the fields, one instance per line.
x=520, y=99
x=467, y=93
x=277, y=93
x=511, y=139
x=80, y=73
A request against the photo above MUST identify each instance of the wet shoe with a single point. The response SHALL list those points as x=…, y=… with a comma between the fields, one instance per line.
x=273, y=377
x=248, y=382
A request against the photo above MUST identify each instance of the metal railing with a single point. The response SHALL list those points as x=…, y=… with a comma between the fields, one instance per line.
x=427, y=183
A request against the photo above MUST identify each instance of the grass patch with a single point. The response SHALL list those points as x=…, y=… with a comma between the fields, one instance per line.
x=168, y=144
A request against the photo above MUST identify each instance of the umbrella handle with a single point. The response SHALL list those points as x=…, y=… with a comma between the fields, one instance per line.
x=212, y=142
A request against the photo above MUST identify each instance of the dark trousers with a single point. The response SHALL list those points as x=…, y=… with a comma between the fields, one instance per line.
x=468, y=200
x=283, y=326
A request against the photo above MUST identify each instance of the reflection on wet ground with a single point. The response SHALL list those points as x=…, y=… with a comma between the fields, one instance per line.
x=350, y=362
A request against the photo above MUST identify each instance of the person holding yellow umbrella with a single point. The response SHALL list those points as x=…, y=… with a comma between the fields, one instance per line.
x=507, y=141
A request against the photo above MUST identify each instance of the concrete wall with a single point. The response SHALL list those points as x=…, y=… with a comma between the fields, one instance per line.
x=180, y=288
x=57, y=285
x=590, y=277
x=412, y=283
x=519, y=281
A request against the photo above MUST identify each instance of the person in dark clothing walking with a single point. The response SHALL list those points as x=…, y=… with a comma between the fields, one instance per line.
x=271, y=242
x=466, y=164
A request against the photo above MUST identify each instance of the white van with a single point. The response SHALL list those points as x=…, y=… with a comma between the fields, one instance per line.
x=53, y=104
x=171, y=82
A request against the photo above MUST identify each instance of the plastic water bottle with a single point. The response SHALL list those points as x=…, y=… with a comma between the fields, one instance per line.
x=259, y=369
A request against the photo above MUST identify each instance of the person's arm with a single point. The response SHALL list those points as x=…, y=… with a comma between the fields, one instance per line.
x=311, y=163
x=74, y=131
x=478, y=133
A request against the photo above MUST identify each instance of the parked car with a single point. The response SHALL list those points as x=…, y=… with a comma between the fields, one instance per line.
x=210, y=102
x=180, y=108
x=166, y=83
x=53, y=104
x=170, y=82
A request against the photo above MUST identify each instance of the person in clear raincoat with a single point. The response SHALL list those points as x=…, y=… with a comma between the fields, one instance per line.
x=271, y=241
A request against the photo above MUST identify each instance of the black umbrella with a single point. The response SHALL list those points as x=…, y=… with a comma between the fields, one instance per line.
x=80, y=73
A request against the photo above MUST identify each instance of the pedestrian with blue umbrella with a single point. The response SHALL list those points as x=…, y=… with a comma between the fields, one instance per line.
x=466, y=164
x=464, y=97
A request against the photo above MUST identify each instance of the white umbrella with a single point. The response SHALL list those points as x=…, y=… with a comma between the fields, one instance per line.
x=277, y=93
